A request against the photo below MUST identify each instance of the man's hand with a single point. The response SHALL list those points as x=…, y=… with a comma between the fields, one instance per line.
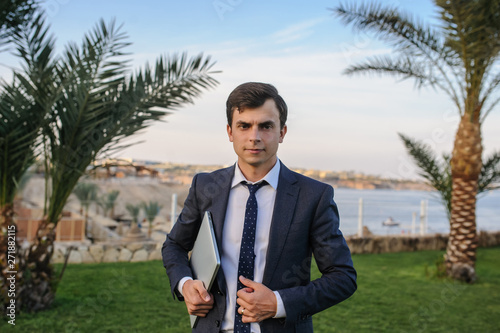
x=257, y=302
x=198, y=301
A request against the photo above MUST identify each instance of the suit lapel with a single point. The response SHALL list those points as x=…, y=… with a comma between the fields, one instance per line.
x=284, y=208
x=222, y=185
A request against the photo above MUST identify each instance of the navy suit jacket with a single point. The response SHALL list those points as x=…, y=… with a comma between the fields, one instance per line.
x=305, y=222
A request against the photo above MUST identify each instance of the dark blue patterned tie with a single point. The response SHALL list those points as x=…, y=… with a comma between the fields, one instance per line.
x=247, y=254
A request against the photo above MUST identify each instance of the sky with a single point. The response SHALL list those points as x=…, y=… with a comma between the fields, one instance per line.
x=336, y=122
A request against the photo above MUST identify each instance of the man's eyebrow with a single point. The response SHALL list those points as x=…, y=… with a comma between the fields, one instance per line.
x=267, y=123
x=262, y=124
x=241, y=122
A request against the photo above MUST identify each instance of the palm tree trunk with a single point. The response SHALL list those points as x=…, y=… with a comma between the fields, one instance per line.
x=41, y=285
x=11, y=269
x=466, y=166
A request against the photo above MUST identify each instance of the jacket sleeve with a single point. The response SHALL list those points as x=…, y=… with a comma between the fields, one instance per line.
x=181, y=240
x=333, y=258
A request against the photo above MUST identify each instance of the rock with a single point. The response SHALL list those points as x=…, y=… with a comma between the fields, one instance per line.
x=155, y=255
x=86, y=257
x=111, y=255
x=140, y=255
x=97, y=252
x=75, y=257
x=58, y=256
x=149, y=246
x=135, y=246
x=125, y=255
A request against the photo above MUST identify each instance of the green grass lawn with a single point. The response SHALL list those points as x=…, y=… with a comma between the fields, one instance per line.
x=395, y=294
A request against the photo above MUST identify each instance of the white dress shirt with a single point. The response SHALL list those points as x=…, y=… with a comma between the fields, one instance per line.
x=231, y=235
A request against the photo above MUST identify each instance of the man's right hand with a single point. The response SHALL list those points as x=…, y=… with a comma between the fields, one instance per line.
x=198, y=301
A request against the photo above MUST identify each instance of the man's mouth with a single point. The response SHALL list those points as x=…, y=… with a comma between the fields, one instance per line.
x=254, y=150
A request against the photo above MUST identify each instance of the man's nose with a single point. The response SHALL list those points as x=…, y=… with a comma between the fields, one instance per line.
x=255, y=134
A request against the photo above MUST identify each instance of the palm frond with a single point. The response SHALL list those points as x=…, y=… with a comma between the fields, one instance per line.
x=23, y=105
x=113, y=195
x=88, y=77
x=469, y=26
x=86, y=193
x=151, y=209
x=472, y=30
x=99, y=106
x=147, y=96
x=438, y=174
x=412, y=40
x=134, y=211
x=13, y=16
x=401, y=67
x=489, y=178
x=404, y=32
x=18, y=134
x=492, y=82
x=405, y=68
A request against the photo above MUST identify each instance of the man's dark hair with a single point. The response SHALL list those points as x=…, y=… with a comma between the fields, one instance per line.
x=253, y=95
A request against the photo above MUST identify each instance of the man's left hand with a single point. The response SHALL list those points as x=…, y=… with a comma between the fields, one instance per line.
x=257, y=302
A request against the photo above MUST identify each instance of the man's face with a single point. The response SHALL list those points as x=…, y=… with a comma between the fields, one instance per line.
x=256, y=135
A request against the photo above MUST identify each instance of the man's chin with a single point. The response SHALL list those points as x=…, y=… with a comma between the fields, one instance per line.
x=257, y=161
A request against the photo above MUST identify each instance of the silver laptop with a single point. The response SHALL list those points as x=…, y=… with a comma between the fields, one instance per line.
x=205, y=259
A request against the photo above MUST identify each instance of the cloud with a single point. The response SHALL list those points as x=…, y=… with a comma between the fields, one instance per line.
x=297, y=31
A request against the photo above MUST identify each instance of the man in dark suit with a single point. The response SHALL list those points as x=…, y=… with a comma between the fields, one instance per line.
x=294, y=217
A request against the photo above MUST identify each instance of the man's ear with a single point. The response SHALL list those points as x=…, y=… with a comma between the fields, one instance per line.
x=282, y=133
x=229, y=133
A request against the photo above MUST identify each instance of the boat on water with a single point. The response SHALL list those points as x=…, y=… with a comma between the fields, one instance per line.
x=390, y=222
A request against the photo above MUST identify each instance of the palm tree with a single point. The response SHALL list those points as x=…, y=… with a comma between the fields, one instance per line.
x=86, y=194
x=134, y=211
x=151, y=209
x=112, y=196
x=438, y=172
x=134, y=232
x=459, y=58
x=103, y=202
x=92, y=103
x=108, y=202
x=22, y=116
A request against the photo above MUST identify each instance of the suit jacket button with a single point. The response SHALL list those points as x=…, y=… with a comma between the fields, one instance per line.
x=217, y=323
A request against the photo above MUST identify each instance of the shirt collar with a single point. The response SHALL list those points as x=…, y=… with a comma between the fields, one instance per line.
x=271, y=177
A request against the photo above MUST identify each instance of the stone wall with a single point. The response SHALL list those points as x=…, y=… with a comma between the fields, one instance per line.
x=386, y=244
x=144, y=251
x=107, y=252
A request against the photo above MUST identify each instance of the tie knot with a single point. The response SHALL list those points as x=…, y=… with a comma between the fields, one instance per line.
x=252, y=188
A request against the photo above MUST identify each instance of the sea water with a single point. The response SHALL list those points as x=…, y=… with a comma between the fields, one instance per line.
x=404, y=207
